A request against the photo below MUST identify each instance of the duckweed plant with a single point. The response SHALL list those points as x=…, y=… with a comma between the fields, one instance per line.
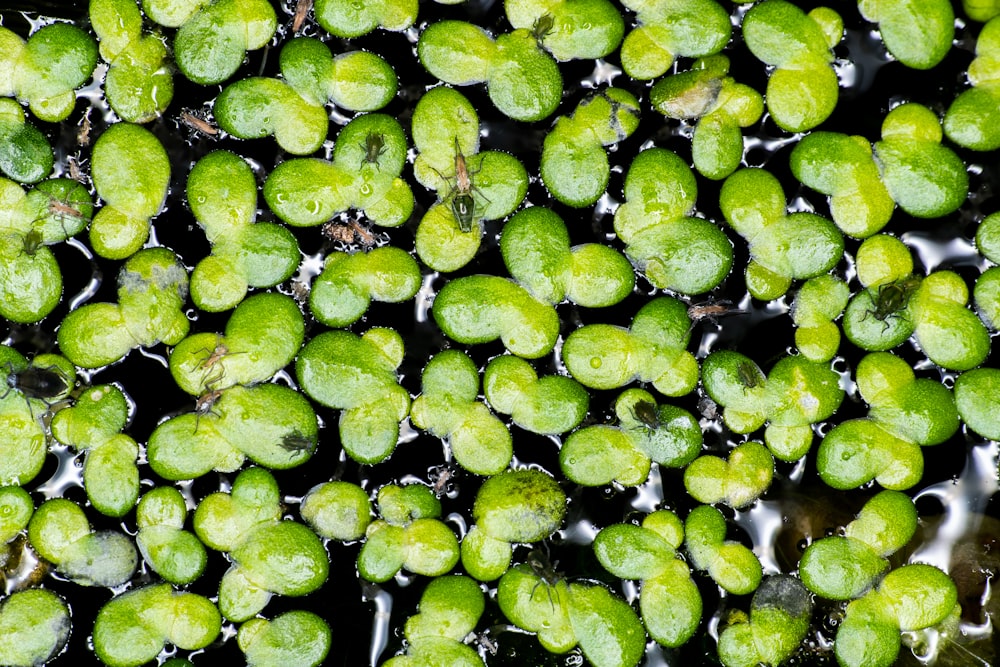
x=543, y=332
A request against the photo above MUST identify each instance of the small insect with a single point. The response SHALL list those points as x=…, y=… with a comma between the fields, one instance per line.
x=204, y=403
x=712, y=310
x=83, y=134
x=366, y=238
x=75, y=171
x=198, y=124
x=750, y=376
x=36, y=382
x=61, y=209
x=487, y=644
x=214, y=356
x=32, y=242
x=337, y=231
x=300, y=290
x=374, y=147
x=294, y=442
x=42, y=383
x=708, y=408
x=441, y=478
x=463, y=205
x=348, y=232
x=891, y=298
x=645, y=412
x=463, y=180
x=542, y=27
x=302, y=8
x=545, y=570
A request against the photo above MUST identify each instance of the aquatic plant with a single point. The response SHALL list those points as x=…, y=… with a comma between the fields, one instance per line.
x=777, y=623
x=719, y=104
x=450, y=608
x=669, y=600
x=94, y=424
x=55, y=210
x=447, y=408
x=802, y=89
x=593, y=381
x=599, y=454
x=140, y=84
x=672, y=248
x=408, y=534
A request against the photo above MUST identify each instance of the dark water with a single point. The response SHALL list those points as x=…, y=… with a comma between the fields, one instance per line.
x=955, y=498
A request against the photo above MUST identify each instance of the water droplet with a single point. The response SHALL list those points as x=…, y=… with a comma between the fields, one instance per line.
x=595, y=362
